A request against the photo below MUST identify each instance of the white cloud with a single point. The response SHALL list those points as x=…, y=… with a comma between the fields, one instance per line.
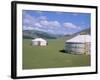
x=42, y=18
x=70, y=25
x=27, y=28
x=55, y=23
x=40, y=22
x=28, y=20
x=38, y=25
x=50, y=24
x=75, y=14
x=43, y=24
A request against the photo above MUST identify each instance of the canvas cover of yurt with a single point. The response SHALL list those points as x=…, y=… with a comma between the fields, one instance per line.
x=80, y=44
x=39, y=42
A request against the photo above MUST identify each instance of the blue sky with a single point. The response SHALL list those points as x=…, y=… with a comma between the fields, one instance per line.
x=55, y=22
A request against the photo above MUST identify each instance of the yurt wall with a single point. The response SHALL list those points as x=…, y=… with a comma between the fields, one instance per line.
x=78, y=46
x=39, y=42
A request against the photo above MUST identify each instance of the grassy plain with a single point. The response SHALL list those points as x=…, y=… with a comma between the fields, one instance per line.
x=50, y=56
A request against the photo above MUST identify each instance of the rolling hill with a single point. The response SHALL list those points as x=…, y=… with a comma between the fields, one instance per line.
x=29, y=34
x=82, y=32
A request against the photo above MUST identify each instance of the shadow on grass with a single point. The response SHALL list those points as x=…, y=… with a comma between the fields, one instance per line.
x=62, y=51
x=65, y=52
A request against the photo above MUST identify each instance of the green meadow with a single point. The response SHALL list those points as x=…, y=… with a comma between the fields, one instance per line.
x=50, y=56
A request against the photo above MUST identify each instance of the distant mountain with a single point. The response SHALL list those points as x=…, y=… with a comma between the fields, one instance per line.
x=31, y=34
x=82, y=32
x=85, y=31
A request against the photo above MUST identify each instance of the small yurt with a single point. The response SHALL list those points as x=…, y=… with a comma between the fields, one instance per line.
x=80, y=44
x=39, y=42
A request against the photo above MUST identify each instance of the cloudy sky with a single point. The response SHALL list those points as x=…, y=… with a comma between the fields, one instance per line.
x=55, y=22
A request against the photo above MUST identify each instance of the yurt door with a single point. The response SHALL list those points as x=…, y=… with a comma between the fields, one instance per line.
x=39, y=43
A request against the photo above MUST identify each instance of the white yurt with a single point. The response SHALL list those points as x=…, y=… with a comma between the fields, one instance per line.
x=80, y=44
x=39, y=42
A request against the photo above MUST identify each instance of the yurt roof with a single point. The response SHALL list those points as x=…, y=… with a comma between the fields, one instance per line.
x=38, y=39
x=80, y=39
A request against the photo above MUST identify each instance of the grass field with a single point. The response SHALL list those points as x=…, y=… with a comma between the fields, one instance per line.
x=50, y=56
